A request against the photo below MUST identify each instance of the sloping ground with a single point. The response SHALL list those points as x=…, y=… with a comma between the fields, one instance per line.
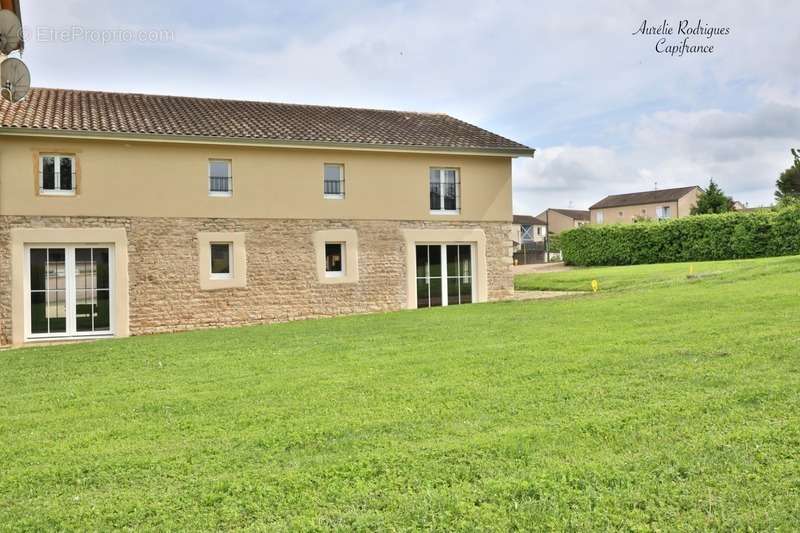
x=671, y=405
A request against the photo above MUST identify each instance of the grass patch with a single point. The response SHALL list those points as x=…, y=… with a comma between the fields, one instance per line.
x=675, y=406
x=650, y=276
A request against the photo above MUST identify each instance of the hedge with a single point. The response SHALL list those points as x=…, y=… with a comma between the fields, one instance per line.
x=695, y=238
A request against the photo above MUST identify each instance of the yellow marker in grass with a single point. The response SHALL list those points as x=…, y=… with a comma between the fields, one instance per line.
x=595, y=286
x=691, y=270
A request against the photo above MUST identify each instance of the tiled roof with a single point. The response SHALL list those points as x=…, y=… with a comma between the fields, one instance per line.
x=527, y=219
x=575, y=214
x=73, y=111
x=643, y=198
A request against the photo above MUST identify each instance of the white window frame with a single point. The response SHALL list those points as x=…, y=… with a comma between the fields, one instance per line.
x=225, y=275
x=339, y=196
x=58, y=191
x=343, y=252
x=70, y=294
x=599, y=217
x=442, y=210
x=663, y=213
x=221, y=194
x=444, y=277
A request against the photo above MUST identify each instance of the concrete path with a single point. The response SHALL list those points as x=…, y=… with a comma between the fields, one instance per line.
x=544, y=295
x=541, y=268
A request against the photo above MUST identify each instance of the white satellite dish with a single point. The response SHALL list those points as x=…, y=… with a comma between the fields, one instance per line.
x=15, y=80
x=10, y=32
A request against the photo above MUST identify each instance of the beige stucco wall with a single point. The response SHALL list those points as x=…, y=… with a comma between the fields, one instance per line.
x=143, y=179
x=283, y=283
x=557, y=222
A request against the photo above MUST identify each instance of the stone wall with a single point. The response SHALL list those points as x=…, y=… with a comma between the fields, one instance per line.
x=281, y=275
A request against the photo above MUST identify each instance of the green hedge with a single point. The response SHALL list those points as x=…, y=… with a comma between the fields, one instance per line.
x=695, y=238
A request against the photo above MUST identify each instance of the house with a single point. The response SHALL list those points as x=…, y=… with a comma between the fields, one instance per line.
x=559, y=220
x=124, y=214
x=659, y=204
x=528, y=236
x=528, y=229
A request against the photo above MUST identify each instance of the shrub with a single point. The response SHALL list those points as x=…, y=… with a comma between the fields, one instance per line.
x=696, y=238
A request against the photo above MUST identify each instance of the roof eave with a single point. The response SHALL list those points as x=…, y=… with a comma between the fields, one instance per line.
x=275, y=143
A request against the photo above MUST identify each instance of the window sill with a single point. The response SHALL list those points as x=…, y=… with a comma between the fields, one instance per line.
x=334, y=196
x=220, y=277
x=220, y=194
x=339, y=274
x=440, y=212
x=45, y=192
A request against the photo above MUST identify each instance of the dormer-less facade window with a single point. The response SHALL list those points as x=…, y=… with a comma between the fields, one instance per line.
x=57, y=175
x=220, y=178
x=445, y=191
x=333, y=181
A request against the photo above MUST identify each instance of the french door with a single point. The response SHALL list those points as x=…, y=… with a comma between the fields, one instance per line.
x=68, y=291
x=444, y=274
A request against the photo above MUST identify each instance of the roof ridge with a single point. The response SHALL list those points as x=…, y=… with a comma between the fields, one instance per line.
x=654, y=190
x=239, y=101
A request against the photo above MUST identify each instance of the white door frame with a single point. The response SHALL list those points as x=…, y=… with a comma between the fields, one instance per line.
x=444, y=276
x=70, y=292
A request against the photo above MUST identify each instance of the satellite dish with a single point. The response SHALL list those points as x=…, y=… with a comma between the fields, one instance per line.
x=10, y=32
x=15, y=80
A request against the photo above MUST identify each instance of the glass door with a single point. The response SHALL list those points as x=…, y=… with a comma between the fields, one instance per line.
x=429, y=275
x=451, y=286
x=69, y=291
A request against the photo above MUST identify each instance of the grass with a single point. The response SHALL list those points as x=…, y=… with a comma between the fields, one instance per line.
x=658, y=406
x=650, y=276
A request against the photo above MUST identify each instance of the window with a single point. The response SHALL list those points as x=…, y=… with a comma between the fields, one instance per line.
x=333, y=180
x=445, y=191
x=598, y=217
x=662, y=213
x=221, y=261
x=334, y=259
x=57, y=174
x=539, y=231
x=220, y=180
x=444, y=274
x=527, y=233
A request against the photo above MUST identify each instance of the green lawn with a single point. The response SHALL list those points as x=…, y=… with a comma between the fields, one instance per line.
x=668, y=405
x=652, y=276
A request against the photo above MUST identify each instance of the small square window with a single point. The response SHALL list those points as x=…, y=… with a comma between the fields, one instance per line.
x=221, y=260
x=57, y=175
x=333, y=180
x=220, y=178
x=334, y=259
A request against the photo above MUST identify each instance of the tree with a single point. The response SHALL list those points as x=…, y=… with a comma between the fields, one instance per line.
x=788, y=183
x=712, y=200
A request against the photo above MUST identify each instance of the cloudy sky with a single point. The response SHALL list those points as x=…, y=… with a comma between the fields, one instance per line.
x=606, y=111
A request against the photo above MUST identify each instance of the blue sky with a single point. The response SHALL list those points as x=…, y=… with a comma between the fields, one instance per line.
x=606, y=112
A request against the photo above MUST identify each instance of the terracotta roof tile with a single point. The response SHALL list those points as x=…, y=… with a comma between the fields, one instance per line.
x=137, y=114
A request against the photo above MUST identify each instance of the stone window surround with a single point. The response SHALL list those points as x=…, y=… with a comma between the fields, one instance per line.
x=238, y=260
x=54, y=236
x=348, y=237
x=476, y=237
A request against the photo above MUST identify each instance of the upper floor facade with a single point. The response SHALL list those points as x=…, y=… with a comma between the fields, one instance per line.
x=118, y=156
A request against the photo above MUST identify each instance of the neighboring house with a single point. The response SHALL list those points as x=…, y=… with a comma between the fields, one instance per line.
x=528, y=229
x=648, y=205
x=129, y=214
x=559, y=220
